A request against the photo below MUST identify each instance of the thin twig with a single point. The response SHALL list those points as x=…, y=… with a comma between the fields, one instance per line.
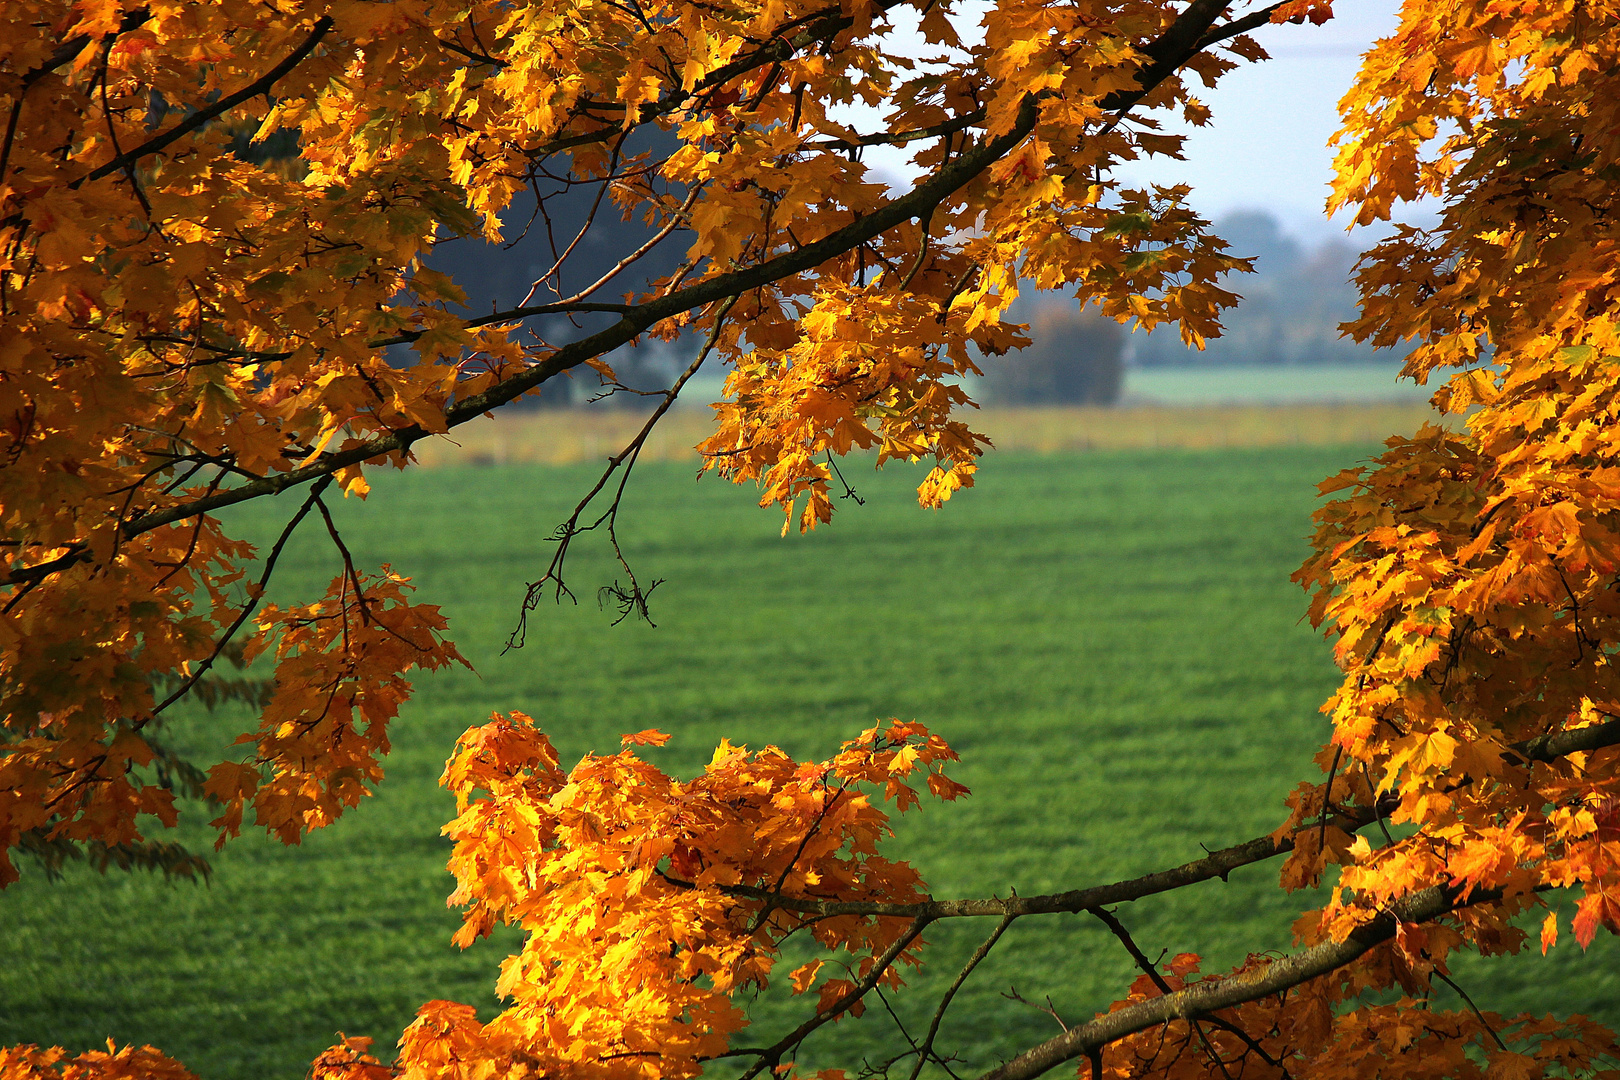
x=1378, y=810
x=254, y=596
x=1327, y=801
x=674, y=221
x=945, y=1002
x=636, y=599
x=1012, y=994
x=772, y=1055
x=1443, y=977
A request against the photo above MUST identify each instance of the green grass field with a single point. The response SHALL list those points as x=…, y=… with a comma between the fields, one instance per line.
x=1110, y=640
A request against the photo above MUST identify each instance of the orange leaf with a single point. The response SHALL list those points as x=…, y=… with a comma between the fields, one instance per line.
x=804, y=975
x=1596, y=909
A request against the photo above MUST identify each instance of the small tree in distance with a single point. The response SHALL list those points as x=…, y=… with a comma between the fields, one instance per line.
x=182, y=331
x=1074, y=358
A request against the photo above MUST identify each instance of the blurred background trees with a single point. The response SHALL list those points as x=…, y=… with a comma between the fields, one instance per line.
x=1076, y=358
x=1290, y=314
x=1292, y=304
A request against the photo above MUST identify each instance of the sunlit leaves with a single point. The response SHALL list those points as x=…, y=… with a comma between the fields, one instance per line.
x=1468, y=577
x=648, y=903
x=182, y=327
x=180, y=322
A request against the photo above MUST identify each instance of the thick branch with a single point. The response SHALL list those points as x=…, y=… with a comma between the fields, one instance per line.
x=1217, y=864
x=1209, y=996
x=1178, y=44
x=1226, y=31
x=921, y=200
x=1559, y=744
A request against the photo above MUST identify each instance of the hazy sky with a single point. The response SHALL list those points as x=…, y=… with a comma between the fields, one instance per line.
x=1266, y=147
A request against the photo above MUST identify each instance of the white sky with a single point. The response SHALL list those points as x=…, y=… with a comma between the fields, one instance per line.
x=1266, y=146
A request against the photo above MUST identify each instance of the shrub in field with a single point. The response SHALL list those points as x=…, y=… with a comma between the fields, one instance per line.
x=185, y=330
x=1074, y=358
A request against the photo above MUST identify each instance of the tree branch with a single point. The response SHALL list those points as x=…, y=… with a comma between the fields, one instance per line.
x=247, y=609
x=1206, y=997
x=1216, y=864
x=927, y=1047
x=1226, y=31
x=1178, y=43
x=64, y=52
x=919, y=201
x=771, y=1055
x=203, y=116
x=571, y=528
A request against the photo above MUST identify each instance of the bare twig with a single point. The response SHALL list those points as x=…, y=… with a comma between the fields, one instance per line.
x=254, y=596
x=633, y=600
x=1443, y=977
x=1049, y=1009
x=653, y=241
x=927, y=1048
x=1377, y=809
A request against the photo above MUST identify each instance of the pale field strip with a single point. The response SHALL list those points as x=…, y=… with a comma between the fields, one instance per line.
x=568, y=436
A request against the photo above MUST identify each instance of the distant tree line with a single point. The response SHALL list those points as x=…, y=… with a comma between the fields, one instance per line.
x=1292, y=305
x=1075, y=358
x=1290, y=315
x=500, y=276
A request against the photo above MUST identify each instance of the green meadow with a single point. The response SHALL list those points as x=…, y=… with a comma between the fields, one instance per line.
x=1110, y=641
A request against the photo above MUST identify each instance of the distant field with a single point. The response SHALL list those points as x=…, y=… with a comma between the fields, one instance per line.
x=1109, y=639
x=1276, y=385
x=560, y=437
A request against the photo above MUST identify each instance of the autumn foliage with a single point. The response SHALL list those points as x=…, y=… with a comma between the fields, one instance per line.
x=186, y=326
